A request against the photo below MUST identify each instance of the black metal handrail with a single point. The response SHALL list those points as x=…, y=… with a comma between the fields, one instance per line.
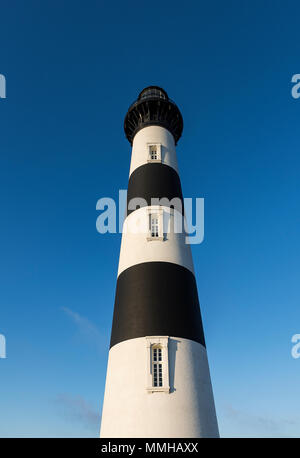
x=137, y=102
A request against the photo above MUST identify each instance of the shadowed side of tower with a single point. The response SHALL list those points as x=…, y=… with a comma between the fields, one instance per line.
x=158, y=382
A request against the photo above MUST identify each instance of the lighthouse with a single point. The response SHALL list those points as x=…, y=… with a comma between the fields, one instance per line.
x=158, y=382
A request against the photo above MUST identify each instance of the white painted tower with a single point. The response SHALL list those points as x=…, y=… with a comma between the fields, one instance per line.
x=158, y=382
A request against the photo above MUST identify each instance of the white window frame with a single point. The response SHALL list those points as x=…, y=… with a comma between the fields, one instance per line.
x=158, y=152
x=160, y=342
x=155, y=212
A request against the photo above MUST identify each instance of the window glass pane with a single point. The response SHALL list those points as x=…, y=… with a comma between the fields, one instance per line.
x=157, y=367
x=153, y=152
x=154, y=226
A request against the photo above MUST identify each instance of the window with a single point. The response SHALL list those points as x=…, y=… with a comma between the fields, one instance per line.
x=153, y=92
x=155, y=223
x=157, y=364
x=154, y=152
x=154, y=226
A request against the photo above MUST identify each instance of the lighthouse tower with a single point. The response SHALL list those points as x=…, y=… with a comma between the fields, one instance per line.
x=158, y=382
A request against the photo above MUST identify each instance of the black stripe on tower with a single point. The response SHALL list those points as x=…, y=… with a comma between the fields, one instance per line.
x=156, y=298
x=154, y=181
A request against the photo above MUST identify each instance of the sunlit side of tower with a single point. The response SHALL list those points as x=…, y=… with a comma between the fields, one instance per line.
x=158, y=382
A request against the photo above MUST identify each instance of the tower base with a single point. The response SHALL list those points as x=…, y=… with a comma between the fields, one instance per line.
x=185, y=410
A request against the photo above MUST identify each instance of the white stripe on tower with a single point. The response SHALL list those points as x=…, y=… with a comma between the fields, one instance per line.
x=147, y=136
x=158, y=382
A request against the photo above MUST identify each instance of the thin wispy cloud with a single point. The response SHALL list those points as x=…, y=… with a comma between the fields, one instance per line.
x=87, y=329
x=252, y=425
x=76, y=408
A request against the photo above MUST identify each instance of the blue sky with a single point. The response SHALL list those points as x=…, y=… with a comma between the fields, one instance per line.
x=72, y=69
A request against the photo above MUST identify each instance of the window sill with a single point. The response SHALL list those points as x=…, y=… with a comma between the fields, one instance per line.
x=162, y=389
x=154, y=160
